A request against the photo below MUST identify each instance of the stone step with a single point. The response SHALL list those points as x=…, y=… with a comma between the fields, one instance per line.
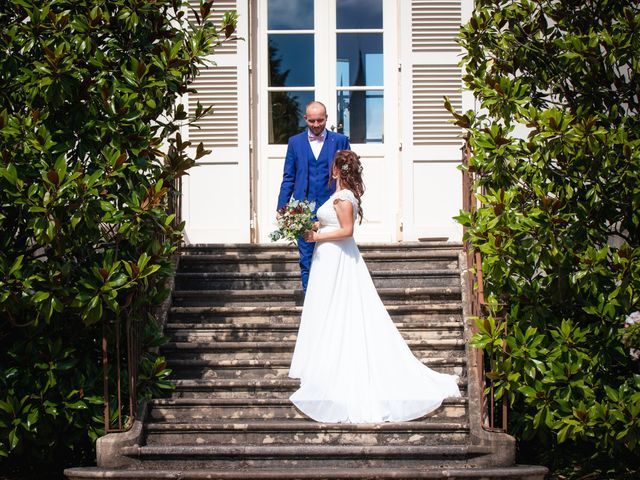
x=244, y=388
x=289, y=297
x=228, y=388
x=288, y=346
x=305, y=456
x=263, y=432
x=238, y=471
x=432, y=312
x=269, y=332
x=182, y=410
x=244, y=249
x=288, y=261
x=405, y=278
x=241, y=352
x=283, y=350
x=270, y=369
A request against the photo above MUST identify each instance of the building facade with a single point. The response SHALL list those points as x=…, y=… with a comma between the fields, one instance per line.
x=382, y=68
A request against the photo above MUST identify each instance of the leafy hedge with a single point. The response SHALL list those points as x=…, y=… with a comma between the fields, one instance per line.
x=556, y=147
x=89, y=151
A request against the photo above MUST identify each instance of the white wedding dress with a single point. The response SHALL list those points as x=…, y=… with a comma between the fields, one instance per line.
x=353, y=364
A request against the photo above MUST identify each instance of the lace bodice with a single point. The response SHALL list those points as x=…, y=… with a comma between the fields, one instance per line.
x=327, y=215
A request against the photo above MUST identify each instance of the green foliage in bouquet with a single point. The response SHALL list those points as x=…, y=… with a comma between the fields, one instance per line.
x=295, y=218
x=556, y=147
x=89, y=153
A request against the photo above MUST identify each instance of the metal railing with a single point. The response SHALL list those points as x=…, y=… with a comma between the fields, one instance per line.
x=123, y=338
x=494, y=412
x=114, y=366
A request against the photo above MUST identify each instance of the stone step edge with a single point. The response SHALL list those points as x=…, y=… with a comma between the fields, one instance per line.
x=302, y=450
x=234, y=383
x=401, y=274
x=525, y=472
x=256, y=425
x=286, y=363
x=271, y=326
x=288, y=292
x=290, y=344
x=297, y=309
x=251, y=402
x=374, y=260
x=435, y=242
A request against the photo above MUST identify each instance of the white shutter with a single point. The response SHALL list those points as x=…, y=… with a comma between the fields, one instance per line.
x=434, y=25
x=430, y=120
x=430, y=143
x=217, y=86
x=216, y=192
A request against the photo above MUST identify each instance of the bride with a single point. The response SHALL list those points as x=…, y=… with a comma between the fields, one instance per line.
x=353, y=364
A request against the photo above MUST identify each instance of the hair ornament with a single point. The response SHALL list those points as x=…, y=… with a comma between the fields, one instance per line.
x=345, y=167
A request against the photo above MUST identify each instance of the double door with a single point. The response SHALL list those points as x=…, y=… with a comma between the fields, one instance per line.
x=334, y=51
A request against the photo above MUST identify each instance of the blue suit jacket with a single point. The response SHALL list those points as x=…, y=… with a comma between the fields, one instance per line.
x=295, y=178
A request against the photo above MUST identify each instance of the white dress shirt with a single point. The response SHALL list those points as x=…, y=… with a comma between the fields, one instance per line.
x=316, y=143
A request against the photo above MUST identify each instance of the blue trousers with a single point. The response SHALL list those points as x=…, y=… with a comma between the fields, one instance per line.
x=306, y=252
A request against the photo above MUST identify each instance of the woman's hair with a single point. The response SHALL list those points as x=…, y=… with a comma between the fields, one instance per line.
x=349, y=168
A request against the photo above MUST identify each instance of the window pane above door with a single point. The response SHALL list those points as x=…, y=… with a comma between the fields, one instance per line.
x=286, y=112
x=360, y=115
x=290, y=15
x=359, y=59
x=291, y=60
x=358, y=14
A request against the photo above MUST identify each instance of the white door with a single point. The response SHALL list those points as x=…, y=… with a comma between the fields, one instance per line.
x=341, y=53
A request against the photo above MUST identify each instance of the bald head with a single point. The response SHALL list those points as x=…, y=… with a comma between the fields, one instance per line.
x=316, y=117
x=316, y=107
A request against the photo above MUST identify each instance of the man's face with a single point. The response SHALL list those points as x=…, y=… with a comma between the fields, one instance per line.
x=316, y=118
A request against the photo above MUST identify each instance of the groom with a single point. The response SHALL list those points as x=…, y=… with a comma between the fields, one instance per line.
x=307, y=168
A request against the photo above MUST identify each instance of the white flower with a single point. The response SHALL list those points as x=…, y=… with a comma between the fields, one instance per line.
x=632, y=319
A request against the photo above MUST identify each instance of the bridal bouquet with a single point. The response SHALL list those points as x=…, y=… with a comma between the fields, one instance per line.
x=296, y=218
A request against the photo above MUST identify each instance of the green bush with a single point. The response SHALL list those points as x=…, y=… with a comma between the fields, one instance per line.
x=556, y=150
x=89, y=152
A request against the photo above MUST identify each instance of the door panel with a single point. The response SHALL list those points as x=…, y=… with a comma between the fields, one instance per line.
x=435, y=190
x=213, y=204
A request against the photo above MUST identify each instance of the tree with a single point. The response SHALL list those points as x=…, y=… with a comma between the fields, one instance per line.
x=555, y=147
x=90, y=150
x=285, y=108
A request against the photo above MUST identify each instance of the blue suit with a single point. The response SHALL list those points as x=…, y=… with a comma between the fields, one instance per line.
x=307, y=178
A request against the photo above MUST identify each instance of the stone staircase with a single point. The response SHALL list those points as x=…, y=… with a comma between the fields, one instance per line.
x=232, y=329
